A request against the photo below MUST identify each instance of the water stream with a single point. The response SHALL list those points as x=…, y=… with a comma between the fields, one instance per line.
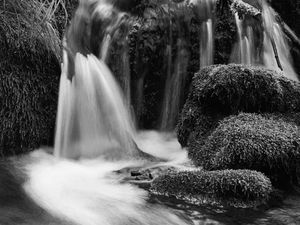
x=97, y=145
x=257, y=43
x=177, y=70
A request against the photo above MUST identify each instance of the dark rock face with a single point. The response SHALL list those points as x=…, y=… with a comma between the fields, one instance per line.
x=225, y=34
x=29, y=78
x=289, y=10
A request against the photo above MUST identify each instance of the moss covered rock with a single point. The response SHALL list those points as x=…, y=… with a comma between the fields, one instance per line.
x=234, y=88
x=219, y=91
x=227, y=187
x=29, y=76
x=268, y=144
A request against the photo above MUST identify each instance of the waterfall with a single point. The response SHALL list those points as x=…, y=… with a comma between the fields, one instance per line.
x=174, y=86
x=92, y=118
x=125, y=68
x=257, y=42
x=205, y=11
x=177, y=70
x=273, y=30
x=245, y=53
x=206, y=43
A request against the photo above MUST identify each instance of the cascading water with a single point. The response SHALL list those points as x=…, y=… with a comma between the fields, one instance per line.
x=126, y=74
x=273, y=30
x=173, y=90
x=93, y=121
x=92, y=117
x=245, y=50
x=177, y=71
x=205, y=10
x=88, y=192
x=206, y=44
x=258, y=40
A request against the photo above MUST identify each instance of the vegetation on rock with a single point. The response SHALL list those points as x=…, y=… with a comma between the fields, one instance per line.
x=250, y=141
x=219, y=91
x=234, y=88
x=29, y=75
x=231, y=187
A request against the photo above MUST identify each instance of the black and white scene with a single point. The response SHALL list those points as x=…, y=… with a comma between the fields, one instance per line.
x=149, y=112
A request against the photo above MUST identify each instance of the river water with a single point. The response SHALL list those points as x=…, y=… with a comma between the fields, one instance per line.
x=40, y=189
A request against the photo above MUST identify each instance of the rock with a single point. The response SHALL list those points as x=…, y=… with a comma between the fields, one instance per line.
x=239, y=188
x=268, y=144
x=219, y=91
x=29, y=76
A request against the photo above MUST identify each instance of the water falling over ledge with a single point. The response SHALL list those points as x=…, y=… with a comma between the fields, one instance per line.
x=92, y=117
x=262, y=42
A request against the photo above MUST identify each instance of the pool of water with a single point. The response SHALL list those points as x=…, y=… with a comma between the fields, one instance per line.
x=286, y=212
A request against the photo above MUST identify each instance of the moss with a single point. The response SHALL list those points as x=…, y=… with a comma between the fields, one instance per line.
x=250, y=141
x=225, y=187
x=225, y=33
x=219, y=91
x=29, y=76
x=234, y=88
x=194, y=122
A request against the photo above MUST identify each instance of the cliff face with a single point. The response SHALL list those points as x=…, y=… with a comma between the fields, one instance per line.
x=289, y=10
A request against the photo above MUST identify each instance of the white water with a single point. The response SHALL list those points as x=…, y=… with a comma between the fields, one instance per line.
x=206, y=15
x=92, y=118
x=95, y=127
x=206, y=44
x=177, y=70
x=273, y=29
x=246, y=52
x=89, y=192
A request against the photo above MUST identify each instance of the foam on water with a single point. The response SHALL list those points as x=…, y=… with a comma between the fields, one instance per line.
x=89, y=192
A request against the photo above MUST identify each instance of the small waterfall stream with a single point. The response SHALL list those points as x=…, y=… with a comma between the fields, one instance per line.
x=92, y=117
x=206, y=44
x=273, y=30
x=177, y=70
x=96, y=139
x=257, y=43
x=173, y=90
x=245, y=50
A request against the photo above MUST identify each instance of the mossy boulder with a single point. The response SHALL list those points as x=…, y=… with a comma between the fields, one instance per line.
x=234, y=88
x=29, y=76
x=269, y=144
x=219, y=91
x=226, y=187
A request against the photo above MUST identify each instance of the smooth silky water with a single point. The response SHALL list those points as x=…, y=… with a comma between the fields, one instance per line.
x=247, y=52
x=86, y=181
x=177, y=70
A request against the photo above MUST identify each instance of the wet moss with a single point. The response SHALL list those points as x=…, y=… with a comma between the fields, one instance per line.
x=29, y=76
x=234, y=88
x=219, y=91
x=226, y=187
x=268, y=144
